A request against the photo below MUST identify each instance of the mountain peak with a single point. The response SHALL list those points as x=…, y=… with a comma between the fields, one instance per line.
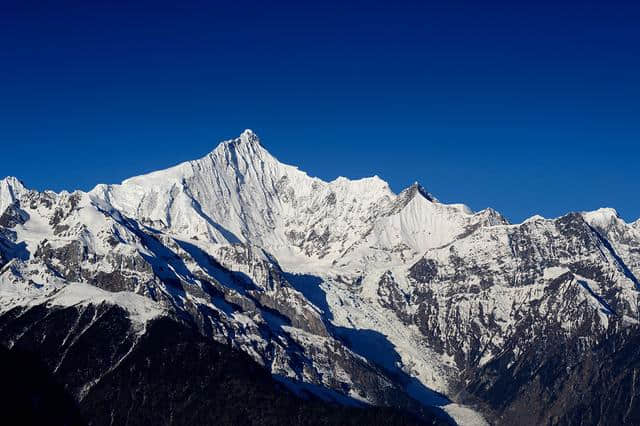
x=602, y=217
x=246, y=145
x=409, y=194
x=247, y=137
x=12, y=181
x=417, y=188
x=10, y=190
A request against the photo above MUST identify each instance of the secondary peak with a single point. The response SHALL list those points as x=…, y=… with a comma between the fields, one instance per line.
x=417, y=188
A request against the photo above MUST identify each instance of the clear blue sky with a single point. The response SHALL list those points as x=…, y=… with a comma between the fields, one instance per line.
x=527, y=107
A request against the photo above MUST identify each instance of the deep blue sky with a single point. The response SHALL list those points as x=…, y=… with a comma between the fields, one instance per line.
x=527, y=108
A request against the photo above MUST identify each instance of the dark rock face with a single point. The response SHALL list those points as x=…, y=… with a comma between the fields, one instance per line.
x=423, y=271
x=9, y=249
x=391, y=296
x=558, y=382
x=13, y=216
x=93, y=368
x=563, y=352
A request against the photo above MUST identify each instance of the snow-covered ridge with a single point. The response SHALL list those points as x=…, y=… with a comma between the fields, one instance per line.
x=241, y=193
x=243, y=163
x=140, y=309
x=602, y=217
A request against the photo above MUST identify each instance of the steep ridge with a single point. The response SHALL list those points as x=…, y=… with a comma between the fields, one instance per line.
x=389, y=299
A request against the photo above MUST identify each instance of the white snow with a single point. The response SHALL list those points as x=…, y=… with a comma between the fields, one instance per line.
x=240, y=192
x=11, y=189
x=140, y=309
x=534, y=218
x=341, y=232
x=464, y=416
x=554, y=272
x=602, y=217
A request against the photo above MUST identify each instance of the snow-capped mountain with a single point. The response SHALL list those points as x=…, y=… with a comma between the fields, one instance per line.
x=342, y=288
